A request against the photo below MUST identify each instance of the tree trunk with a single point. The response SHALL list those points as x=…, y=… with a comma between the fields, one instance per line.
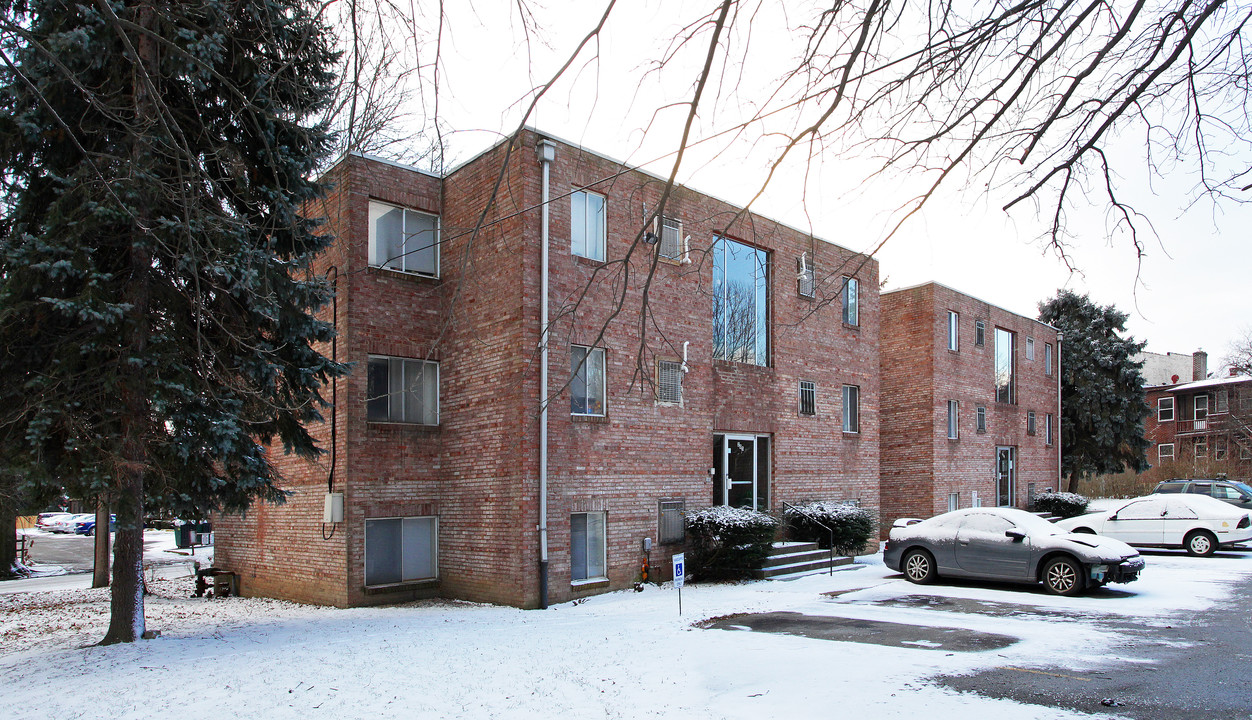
x=126, y=621
x=126, y=618
x=100, y=575
x=8, y=528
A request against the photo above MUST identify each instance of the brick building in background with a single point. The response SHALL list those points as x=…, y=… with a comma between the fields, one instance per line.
x=969, y=404
x=1200, y=425
x=753, y=379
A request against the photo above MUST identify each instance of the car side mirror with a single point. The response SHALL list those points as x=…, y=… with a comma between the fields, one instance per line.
x=1016, y=534
x=1113, y=517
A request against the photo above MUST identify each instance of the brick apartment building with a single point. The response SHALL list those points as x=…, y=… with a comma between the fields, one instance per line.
x=969, y=404
x=752, y=379
x=1204, y=425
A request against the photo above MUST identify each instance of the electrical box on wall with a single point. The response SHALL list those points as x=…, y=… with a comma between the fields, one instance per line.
x=334, y=508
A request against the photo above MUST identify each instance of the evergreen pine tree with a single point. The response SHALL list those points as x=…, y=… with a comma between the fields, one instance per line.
x=156, y=297
x=1102, y=400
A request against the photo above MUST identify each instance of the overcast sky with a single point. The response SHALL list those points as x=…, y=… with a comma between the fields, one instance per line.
x=1188, y=293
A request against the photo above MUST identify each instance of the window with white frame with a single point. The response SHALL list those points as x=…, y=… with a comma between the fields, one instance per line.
x=1031, y=425
x=402, y=390
x=1165, y=452
x=1219, y=448
x=1245, y=447
x=1201, y=409
x=851, y=409
x=851, y=298
x=400, y=549
x=980, y=417
x=1030, y=349
x=808, y=397
x=1201, y=448
x=1165, y=409
x=587, y=546
x=954, y=331
x=403, y=239
x=671, y=232
x=954, y=501
x=588, y=228
x=980, y=333
x=1048, y=429
x=1047, y=358
x=954, y=413
x=586, y=384
x=669, y=382
x=805, y=275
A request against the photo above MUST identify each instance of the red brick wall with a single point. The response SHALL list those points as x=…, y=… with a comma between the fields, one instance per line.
x=907, y=375
x=967, y=464
x=641, y=451
x=1159, y=432
x=478, y=470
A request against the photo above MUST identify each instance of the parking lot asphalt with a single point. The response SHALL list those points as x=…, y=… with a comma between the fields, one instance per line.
x=75, y=553
x=1193, y=669
x=1192, y=665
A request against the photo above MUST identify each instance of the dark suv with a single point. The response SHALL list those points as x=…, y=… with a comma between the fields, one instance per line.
x=1236, y=493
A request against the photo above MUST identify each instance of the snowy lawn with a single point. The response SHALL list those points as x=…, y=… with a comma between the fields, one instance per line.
x=621, y=655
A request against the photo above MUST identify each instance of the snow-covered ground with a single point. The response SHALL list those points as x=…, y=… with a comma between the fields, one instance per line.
x=620, y=655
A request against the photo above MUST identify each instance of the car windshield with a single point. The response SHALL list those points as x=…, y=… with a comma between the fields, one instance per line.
x=1034, y=525
x=1244, y=487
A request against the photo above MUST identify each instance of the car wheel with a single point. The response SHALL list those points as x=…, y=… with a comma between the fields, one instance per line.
x=1201, y=543
x=1085, y=531
x=90, y=532
x=1064, y=576
x=919, y=567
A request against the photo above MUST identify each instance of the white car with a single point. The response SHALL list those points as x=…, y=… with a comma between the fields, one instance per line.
x=47, y=519
x=69, y=522
x=1195, y=523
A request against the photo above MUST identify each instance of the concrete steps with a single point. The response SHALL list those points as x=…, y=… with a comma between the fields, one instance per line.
x=792, y=559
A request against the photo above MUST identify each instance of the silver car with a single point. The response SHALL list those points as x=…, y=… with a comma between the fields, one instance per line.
x=1007, y=544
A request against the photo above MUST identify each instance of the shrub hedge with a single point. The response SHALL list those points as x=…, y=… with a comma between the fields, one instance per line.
x=1061, y=504
x=852, y=526
x=726, y=543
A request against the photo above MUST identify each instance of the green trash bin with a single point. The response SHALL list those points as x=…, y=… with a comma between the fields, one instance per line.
x=182, y=536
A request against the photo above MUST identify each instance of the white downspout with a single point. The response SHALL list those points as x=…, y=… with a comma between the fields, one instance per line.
x=547, y=154
x=1057, y=429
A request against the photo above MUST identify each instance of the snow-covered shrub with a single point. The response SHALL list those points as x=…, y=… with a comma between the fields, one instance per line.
x=852, y=526
x=1061, y=504
x=728, y=543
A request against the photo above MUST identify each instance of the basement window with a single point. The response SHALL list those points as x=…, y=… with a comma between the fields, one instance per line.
x=399, y=550
x=587, y=557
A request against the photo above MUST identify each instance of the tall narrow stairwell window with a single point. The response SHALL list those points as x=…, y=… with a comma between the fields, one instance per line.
x=740, y=303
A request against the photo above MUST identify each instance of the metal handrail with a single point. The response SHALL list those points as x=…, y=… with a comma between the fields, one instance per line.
x=828, y=529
